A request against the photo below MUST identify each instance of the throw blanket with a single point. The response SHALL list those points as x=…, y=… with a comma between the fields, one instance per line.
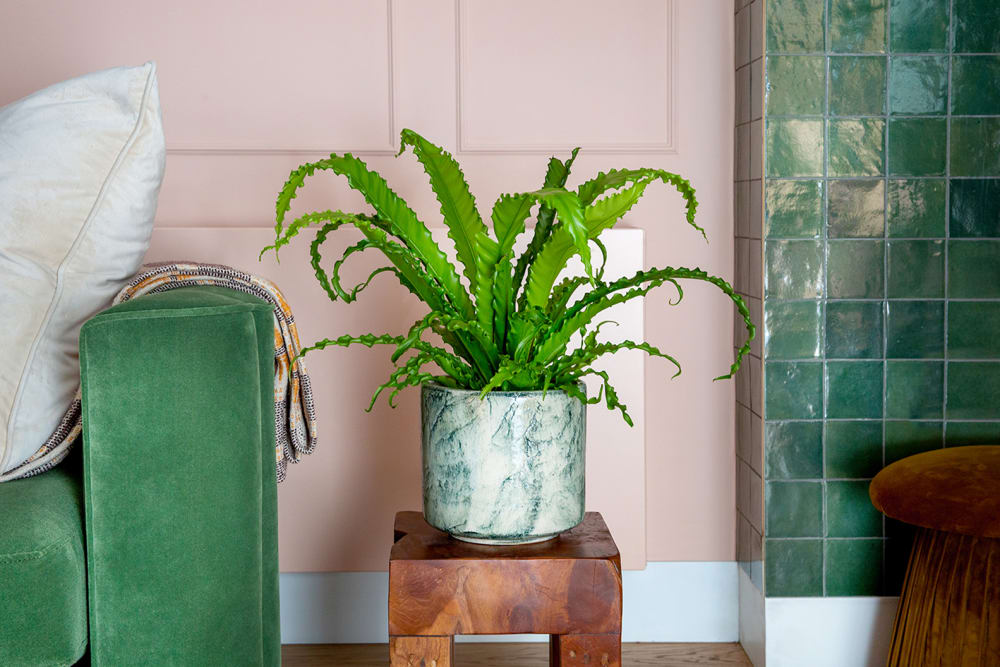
x=294, y=413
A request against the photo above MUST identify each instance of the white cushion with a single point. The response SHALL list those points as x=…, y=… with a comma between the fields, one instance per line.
x=80, y=169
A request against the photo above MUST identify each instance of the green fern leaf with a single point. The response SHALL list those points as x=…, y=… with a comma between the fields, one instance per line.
x=624, y=289
x=552, y=259
x=555, y=177
x=391, y=209
x=458, y=206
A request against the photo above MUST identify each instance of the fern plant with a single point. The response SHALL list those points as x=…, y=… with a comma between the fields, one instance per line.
x=510, y=325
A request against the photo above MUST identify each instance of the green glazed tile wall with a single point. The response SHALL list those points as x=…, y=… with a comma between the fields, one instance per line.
x=881, y=269
x=748, y=189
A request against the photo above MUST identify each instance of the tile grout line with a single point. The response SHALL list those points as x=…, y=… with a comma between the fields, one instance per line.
x=903, y=54
x=950, y=47
x=826, y=279
x=885, y=258
x=876, y=178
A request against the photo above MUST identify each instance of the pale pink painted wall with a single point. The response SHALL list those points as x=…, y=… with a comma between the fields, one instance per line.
x=250, y=90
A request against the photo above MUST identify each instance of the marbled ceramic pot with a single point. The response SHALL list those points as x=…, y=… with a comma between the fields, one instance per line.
x=504, y=469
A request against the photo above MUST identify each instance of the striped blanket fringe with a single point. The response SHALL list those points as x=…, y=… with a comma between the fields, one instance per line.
x=294, y=412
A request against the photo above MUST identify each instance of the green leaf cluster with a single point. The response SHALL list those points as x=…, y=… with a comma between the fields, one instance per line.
x=509, y=325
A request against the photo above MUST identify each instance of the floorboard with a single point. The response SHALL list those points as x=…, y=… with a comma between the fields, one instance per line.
x=514, y=655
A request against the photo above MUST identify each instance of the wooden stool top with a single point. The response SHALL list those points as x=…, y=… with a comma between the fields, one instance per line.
x=415, y=539
x=441, y=586
x=955, y=490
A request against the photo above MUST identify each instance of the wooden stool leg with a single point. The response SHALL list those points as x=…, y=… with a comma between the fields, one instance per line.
x=585, y=650
x=422, y=651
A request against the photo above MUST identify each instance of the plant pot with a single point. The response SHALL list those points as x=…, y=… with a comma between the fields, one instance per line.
x=504, y=469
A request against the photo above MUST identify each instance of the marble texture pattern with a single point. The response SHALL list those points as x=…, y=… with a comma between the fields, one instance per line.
x=504, y=469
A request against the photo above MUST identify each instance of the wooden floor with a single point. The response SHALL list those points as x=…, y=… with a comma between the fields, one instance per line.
x=513, y=655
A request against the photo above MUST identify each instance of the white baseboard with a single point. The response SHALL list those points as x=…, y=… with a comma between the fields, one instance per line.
x=666, y=602
x=829, y=632
x=751, y=620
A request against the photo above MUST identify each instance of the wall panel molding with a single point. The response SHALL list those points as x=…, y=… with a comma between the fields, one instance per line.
x=664, y=143
x=389, y=148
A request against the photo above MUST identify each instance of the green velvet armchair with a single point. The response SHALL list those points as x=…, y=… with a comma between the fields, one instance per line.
x=155, y=543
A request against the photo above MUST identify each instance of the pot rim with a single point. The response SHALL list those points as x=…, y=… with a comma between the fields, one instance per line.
x=525, y=392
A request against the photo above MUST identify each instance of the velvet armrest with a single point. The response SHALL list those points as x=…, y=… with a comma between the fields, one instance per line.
x=179, y=480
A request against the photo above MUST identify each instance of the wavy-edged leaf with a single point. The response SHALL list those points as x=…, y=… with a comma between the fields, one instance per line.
x=283, y=238
x=458, y=206
x=493, y=266
x=610, y=395
x=519, y=375
x=624, y=289
x=527, y=327
x=555, y=177
x=409, y=270
x=590, y=190
x=468, y=341
x=562, y=293
x=599, y=216
x=580, y=359
x=391, y=209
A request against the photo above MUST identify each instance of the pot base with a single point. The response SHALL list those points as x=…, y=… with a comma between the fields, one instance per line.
x=489, y=541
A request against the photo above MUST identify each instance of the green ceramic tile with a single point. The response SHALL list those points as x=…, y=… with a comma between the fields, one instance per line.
x=855, y=269
x=857, y=26
x=792, y=329
x=974, y=89
x=973, y=389
x=794, y=450
x=854, y=330
x=916, y=207
x=794, y=509
x=794, y=147
x=849, y=510
x=917, y=26
x=915, y=330
x=793, y=209
x=857, y=85
x=974, y=211
x=918, y=85
x=794, y=390
x=794, y=270
x=973, y=328
x=974, y=269
x=904, y=439
x=972, y=433
x=853, y=449
x=853, y=567
x=975, y=26
x=856, y=208
x=795, y=85
x=975, y=146
x=914, y=389
x=854, y=389
x=917, y=146
x=916, y=269
x=795, y=25
x=793, y=568
x=857, y=147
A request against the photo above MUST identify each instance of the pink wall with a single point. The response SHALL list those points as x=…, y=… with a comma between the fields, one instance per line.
x=250, y=90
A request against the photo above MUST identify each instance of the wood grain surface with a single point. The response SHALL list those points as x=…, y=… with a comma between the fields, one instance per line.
x=567, y=585
x=421, y=651
x=515, y=655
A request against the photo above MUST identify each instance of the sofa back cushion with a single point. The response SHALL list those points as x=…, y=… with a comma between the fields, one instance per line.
x=81, y=164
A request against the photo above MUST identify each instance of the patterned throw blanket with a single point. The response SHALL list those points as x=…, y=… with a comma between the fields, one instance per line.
x=294, y=413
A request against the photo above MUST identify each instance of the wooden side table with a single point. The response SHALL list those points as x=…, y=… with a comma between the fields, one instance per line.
x=569, y=588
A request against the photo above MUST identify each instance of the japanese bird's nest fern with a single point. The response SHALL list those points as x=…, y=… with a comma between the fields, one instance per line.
x=511, y=325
